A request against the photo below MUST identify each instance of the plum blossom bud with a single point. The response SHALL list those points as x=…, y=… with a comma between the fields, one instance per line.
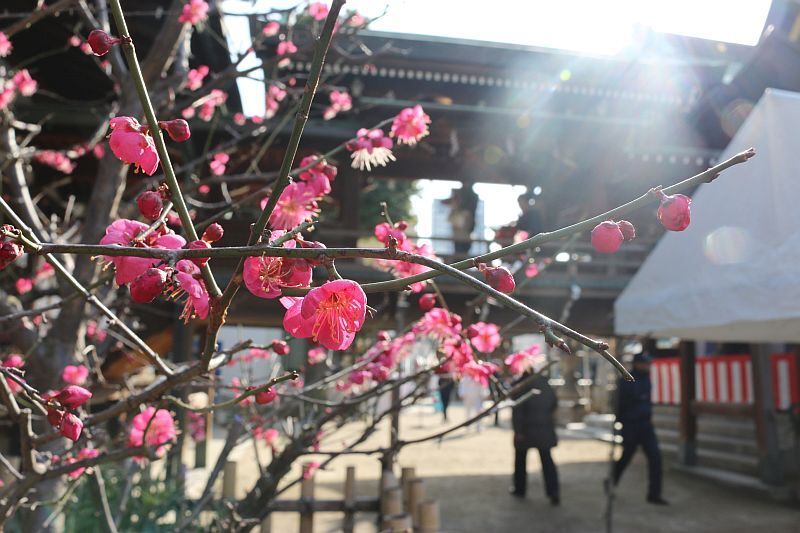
x=71, y=427
x=498, y=278
x=472, y=331
x=10, y=250
x=177, y=129
x=73, y=396
x=54, y=417
x=427, y=301
x=213, y=233
x=384, y=336
x=627, y=229
x=199, y=245
x=150, y=204
x=101, y=42
x=674, y=213
x=266, y=396
x=607, y=237
x=148, y=285
x=280, y=347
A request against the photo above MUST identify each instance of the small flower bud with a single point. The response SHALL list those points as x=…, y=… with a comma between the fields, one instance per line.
x=10, y=250
x=71, y=427
x=607, y=237
x=499, y=278
x=150, y=205
x=280, y=347
x=199, y=245
x=627, y=229
x=177, y=129
x=73, y=396
x=148, y=285
x=674, y=213
x=101, y=42
x=54, y=417
x=213, y=233
x=384, y=336
x=266, y=396
x=427, y=301
x=472, y=331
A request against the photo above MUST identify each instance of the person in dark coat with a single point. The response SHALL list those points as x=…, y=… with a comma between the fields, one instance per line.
x=634, y=411
x=534, y=428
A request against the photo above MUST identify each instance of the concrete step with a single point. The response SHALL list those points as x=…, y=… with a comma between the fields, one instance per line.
x=712, y=442
x=744, y=482
x=731, y=427
x=734, y=462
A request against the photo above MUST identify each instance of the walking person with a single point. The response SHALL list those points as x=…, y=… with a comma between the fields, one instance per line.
x=534, y=427
x=472, y=393
x=446, y=386
x=634, y=411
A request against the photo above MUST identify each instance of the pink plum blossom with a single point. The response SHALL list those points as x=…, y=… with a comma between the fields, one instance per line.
x=218, y=162
x=271, y=29
x=132, y=145
x=297, y=204
x=124, y=232
x=319, y=176
x=158, y=424
x=195, y=76
x=275, y=95
x=479, y=371
x=25, y=84
x=286, y=48
x=318, y=10
x=75, y=374
x=56, y=160
x=410, y=125
x=486, y=336
x=525, y=360
x=331, y=314
x=531, y=270
x=317, y=355
x=340, y=101
x=439, y=323
x=371, y=148
x=85, y=453
x=5, y=45
x=187, y=276
x=23, y=285
x=194, y=12
x=265, y=276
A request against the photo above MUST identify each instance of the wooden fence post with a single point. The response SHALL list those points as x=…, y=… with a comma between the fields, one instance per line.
x=229, y=479
x=429, y=521
x=392, y=502
x=406, y=475
x=416, y=494
x=349, y=500
x=398, y=523
x=307, y=497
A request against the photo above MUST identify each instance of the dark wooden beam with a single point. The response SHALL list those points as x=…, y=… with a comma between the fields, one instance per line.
x=769, y=464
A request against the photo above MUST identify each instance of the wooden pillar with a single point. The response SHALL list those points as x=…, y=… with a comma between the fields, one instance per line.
x=349, y=521
x=687, y=451
x=407, y=474
x=769, y=458
x=416, y=494
x=429, y=521
x=229, y=480
x=307, y=497
x=349, y=181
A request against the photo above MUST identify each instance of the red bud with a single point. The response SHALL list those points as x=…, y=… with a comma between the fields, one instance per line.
x=607, y=237
x=280, y=347
x=427, y=301
x=674, y=211
x=150, y=205
x=101, y=42
x=627, y=229
x=499, y=278
x=266, y=396
x=73, y=396
x=71, y=427
x=148, y=285
x=213, y=233
x=177, y=129
x=199, y=245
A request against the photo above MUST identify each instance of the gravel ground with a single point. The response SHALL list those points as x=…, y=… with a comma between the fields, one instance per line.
x=469, y=473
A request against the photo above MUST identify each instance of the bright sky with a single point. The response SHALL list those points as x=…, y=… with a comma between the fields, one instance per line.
x=606, y=27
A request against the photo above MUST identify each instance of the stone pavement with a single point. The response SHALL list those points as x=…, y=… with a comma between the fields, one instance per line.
x=469, y=473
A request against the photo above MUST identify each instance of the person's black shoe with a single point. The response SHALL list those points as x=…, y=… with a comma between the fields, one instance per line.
x=555, y=501
x=657, y=500
x=514, y=492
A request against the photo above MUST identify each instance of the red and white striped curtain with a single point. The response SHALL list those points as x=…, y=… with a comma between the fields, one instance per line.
x=725, y=379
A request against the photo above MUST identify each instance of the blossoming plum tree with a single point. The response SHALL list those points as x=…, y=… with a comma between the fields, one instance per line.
x=46, y=385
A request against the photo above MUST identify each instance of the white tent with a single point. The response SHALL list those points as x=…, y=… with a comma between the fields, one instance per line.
x=734, y=273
